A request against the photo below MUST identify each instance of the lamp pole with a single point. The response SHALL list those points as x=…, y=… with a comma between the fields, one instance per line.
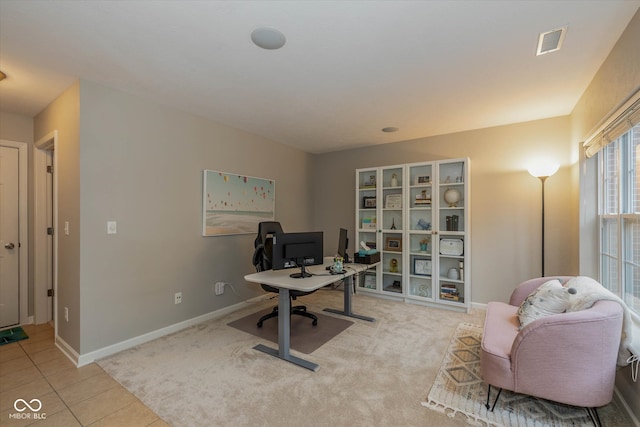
x=542, y=180
x=542, y=172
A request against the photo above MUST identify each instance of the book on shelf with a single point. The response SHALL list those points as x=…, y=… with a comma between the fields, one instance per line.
x=448, y=289
x=450, y=297
x=369, y=223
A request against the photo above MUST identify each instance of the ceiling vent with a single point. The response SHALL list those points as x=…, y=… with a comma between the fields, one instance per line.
x=551, y=41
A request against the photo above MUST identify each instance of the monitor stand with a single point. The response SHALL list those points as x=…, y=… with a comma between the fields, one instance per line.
x=303, y=272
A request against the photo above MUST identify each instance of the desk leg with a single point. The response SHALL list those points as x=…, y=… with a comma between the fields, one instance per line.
x=284, y=335
x=349, y=283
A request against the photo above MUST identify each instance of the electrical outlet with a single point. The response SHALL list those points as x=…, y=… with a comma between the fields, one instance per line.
x=66, y=314
x=220, y=288
x=178, y=298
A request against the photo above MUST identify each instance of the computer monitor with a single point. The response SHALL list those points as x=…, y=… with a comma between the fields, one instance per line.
x=343, y=245
x=297, y=250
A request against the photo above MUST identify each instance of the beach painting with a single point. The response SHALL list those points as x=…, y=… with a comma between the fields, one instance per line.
x=235, y=204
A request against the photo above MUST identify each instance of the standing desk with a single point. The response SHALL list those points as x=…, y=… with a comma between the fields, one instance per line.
x=281, y=280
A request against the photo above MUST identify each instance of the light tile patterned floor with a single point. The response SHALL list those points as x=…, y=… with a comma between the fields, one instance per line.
x=35, y=369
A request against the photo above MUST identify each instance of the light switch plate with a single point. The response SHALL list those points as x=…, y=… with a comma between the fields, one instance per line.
x=112, y=227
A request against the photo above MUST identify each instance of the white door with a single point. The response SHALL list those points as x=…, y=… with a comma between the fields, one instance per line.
x=9, y=242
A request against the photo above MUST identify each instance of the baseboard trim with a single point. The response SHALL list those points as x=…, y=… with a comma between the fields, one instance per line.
x=479, y=306
x=85, y=359
x=67, y=350
x=617, y=397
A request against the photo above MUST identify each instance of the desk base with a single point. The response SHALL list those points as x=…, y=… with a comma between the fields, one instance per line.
x=355, y=316
x=348, y=286
x=289, y=358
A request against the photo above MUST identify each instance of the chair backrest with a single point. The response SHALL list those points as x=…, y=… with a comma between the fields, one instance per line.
x=264, y=244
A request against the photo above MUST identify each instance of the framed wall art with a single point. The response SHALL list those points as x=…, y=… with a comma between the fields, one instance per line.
x=235, y=204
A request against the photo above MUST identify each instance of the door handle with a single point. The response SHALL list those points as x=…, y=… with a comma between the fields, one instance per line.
x=9, y=246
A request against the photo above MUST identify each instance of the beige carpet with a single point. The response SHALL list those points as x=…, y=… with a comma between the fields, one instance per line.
x=305, y=337
x=371, y=374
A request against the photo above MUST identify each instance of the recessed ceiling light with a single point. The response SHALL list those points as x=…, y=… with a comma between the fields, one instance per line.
x=2, y=76
x=268, y=38
x=390, y=129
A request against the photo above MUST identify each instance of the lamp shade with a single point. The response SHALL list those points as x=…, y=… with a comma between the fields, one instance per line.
x=544, y=169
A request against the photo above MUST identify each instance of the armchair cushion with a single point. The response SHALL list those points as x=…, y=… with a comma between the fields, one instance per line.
x=550, y=298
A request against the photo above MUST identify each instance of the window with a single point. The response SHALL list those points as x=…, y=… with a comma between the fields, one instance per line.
x=619, y=212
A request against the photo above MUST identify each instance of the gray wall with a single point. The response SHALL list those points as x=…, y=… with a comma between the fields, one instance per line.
x=505, y=198
x=63, y=115
x=141, y=164
x=14, y=127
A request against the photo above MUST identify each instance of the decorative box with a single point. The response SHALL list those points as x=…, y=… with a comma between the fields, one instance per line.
x=367, y=259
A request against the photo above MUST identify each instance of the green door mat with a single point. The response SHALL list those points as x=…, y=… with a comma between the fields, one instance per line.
x=12, y=335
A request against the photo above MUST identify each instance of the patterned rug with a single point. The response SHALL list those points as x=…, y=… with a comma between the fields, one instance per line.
x=12, y=335
x=459, y=388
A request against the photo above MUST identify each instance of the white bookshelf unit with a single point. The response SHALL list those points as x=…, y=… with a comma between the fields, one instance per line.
x=417, y=216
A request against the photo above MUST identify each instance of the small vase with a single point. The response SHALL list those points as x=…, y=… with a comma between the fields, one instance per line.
x=424, y=247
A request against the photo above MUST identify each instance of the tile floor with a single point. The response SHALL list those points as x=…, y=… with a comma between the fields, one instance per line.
x=35, y=369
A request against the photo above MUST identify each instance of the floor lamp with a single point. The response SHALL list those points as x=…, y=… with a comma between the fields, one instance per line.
x=543, y=172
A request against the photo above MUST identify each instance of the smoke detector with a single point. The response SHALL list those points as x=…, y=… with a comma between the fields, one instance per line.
x=551, y=41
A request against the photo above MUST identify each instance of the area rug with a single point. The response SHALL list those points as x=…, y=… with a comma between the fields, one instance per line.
x=305, y=337
x=458, y=388
x=12, y=335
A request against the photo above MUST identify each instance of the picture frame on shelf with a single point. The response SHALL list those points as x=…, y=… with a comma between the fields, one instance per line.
x=422, y=179
x=396, y=286
x=393, y=244
x=369, y=202
x=369, y=281
x=422, y=267
x=393, y=201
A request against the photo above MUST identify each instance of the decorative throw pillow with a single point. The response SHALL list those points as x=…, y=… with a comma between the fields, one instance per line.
x=549, y=298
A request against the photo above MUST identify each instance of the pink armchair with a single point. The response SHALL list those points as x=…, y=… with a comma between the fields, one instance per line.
x=568, y=358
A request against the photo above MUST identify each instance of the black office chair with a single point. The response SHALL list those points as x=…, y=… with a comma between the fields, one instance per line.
x=262, y=261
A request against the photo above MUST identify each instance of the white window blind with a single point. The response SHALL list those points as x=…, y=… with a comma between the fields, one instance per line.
x=616, y=127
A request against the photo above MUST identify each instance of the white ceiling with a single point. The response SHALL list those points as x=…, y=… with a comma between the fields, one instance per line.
x=348, y=69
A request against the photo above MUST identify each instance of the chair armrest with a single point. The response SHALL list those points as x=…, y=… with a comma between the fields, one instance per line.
x=522, y=291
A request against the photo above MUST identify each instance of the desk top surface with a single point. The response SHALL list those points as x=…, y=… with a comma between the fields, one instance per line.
x=321, y=277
